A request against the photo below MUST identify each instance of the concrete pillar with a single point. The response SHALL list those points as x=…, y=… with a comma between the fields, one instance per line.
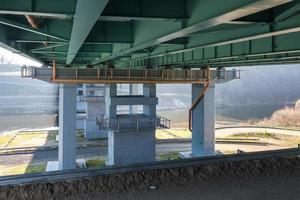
x=110, y=92
x=134, y=139
x=149, y=90
x=133, y=90
x=203, y=123
x=94, y=106
x=67, y=127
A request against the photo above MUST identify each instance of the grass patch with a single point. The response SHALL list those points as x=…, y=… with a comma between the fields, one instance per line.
x=168, y=156
x=264, y=134
x=22, y=169
x=95, y=163
x=4, y=140
x=39, y=168
x=80, y=136
x=173, y=134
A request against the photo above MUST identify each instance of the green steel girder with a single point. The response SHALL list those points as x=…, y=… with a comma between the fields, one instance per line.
x=134, y=9
x=17, y=25
x=235, y=45
x=291, y=11
x=153, y=32
x=245, y=9
x=83, y=24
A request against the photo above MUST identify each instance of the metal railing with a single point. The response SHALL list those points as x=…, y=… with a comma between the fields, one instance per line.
x=163, y=122
x=107, y=75
x=129, y=123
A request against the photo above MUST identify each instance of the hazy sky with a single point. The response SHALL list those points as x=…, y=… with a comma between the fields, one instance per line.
x=16, y=58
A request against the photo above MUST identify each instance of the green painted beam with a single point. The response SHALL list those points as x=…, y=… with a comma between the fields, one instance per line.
x=17, y=25
x=86, y=15
x=66, y=16
x=50, y=46
x=288, y=13
x=137, y=18
x=245, y=10
x=37, y=14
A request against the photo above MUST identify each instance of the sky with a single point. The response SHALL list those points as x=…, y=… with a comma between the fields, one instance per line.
x=17, y=59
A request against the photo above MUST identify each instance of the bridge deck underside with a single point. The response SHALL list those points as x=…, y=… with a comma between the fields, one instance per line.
x=140, y=33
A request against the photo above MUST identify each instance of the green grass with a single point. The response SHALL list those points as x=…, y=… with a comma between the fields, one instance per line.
x=168, y=156
x=35, y=168
x=95, y=163
x=80, y=136
x=264, y=134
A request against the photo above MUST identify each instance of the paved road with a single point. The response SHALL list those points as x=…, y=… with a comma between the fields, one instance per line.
x=92, y=151
x=86, y=152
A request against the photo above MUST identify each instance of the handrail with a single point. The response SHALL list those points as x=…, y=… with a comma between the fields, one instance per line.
x=125, y=75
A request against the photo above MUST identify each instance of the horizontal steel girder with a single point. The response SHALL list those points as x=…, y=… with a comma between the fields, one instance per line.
x=226, y=17
x=28, y=28
x=223, y=42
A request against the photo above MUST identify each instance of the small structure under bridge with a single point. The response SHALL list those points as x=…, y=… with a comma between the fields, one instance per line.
x=131, y=136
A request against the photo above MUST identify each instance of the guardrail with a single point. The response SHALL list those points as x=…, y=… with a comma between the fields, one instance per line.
x=131, y=123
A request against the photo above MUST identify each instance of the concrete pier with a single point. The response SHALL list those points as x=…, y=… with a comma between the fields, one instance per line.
x=132, y=136
x=67, y=127
x=203, y=123
x=94, y=97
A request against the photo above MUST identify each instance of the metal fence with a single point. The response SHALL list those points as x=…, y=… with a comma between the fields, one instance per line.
x=131, y=123
x=123, y=74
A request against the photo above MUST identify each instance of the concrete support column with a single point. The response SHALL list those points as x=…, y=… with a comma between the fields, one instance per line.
x=203, y=124
x=111, y=92
x=94, y=106
x=149, y=90
x=67, y=127
x=133, y=90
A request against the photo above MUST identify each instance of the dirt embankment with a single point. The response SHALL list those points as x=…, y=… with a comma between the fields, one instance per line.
x=257, y=179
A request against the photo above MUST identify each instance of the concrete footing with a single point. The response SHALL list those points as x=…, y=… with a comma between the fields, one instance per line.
x=53, y=165
x=131, y=147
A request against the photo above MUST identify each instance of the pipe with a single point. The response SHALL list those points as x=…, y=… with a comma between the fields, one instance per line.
x=53, y=70
x=199, y=98
x=31, y=20
x=34, y=24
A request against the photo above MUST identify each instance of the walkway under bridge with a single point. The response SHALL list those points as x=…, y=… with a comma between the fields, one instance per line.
x=128, y=75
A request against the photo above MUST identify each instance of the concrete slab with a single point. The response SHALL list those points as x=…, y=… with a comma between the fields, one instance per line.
x=53, y=165
x=189, y=154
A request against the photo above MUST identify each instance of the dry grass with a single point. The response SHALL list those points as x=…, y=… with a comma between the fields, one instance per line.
x=287, y=117
x=29, y=139
x=173, y=134
x=22, y=169
x=5, y=139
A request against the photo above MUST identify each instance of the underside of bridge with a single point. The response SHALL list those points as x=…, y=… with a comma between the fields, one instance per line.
x=96, y=45
x=140, y=33
x=148, y=42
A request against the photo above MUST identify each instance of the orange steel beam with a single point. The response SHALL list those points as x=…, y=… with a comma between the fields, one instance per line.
x=199, y=98
x=74, y=81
